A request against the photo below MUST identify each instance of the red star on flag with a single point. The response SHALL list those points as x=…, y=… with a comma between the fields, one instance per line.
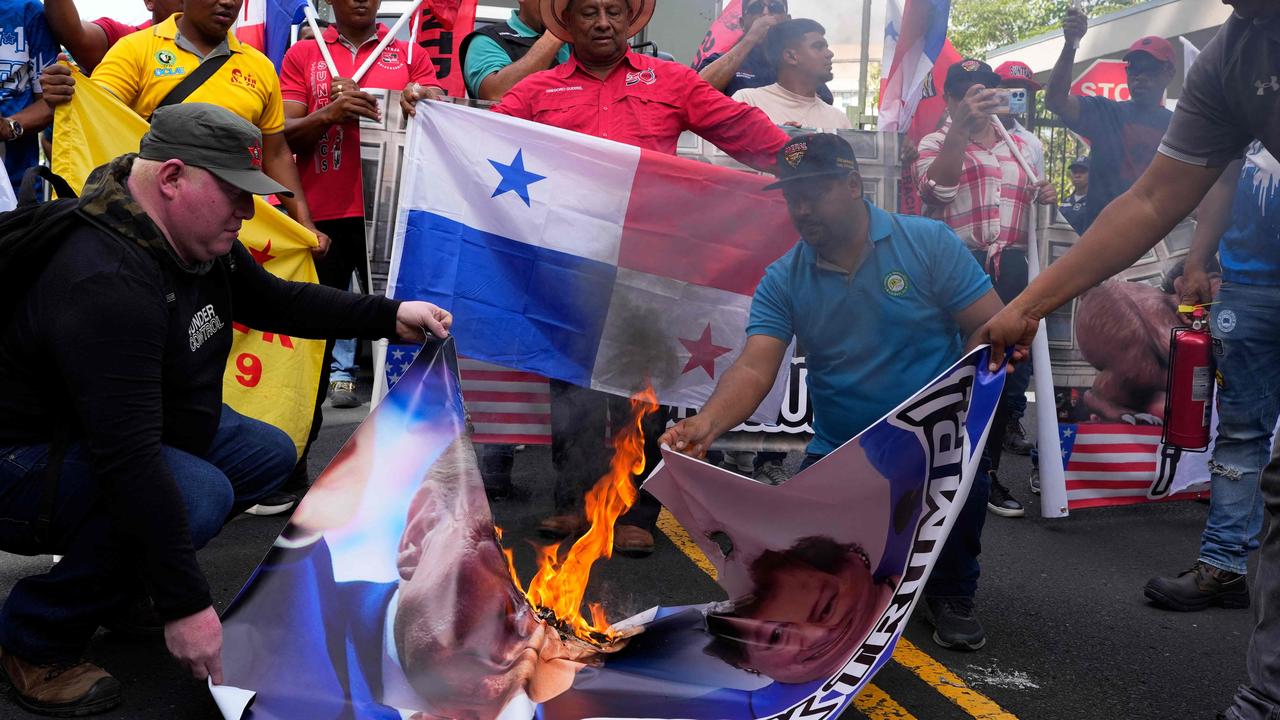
x=262, y=256
x=703, y=353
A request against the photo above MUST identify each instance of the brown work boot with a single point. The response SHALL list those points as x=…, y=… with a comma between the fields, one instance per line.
x=633, y=541
x=563, y=526
x=1198, y=588
x=61, y=689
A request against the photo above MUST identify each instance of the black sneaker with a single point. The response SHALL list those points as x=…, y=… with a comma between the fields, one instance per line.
x=342, y=394
x=955, y=626
x=1198, y=588
x=771, y=473
x=277, y=503
x=1015, y=439
x=1000, y=502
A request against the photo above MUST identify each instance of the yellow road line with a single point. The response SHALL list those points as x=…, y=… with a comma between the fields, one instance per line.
x=872, y=702
x=948, y=683
x=877, y=705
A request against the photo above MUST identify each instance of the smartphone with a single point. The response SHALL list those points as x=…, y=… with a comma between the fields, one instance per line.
x=1013, y=101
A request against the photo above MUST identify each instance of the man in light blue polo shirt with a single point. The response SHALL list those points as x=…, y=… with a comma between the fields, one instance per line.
x=881, y=304
x=497, y=56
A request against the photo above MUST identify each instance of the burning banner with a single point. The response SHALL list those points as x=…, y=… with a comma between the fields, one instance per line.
x=390, y=594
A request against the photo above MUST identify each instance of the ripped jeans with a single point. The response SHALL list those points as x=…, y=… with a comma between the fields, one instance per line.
x=1246, y=321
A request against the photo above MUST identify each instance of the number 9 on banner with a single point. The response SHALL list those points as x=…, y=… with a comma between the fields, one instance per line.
x=250, y=369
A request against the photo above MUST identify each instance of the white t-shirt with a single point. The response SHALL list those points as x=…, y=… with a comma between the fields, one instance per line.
x=783, y=106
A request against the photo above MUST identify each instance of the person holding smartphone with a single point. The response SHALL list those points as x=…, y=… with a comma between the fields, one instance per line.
x=969, y=178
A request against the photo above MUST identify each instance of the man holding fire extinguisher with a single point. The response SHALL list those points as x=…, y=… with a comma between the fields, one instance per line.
x=1241, y=209
x=1224, y=107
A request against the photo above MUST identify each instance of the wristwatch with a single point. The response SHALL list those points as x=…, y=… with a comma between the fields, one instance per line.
x=15, y=128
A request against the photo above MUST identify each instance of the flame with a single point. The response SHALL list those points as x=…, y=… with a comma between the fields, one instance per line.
x=559, y=585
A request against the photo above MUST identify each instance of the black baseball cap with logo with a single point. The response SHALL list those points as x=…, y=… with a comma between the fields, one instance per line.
x=815, y=155
x=1080, y=162
x=967, y=73
x=213, y=138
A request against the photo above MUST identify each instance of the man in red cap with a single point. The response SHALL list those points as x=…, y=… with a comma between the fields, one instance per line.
x=610, y=91
x=1124, y=135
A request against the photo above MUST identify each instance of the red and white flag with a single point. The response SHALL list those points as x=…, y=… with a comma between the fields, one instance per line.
x=439, y=28
x=1115, y=464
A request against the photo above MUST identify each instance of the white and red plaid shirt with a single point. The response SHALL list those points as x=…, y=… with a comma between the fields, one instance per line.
x=990, y=207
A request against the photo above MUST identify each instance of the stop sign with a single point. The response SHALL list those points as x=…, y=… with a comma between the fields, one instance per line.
x=1104, y=78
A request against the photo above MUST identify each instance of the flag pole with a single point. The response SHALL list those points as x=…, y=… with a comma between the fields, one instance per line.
x=310, y=12
x=1053, y=480
x=391, y=35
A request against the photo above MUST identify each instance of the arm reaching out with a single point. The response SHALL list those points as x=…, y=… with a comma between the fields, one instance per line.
x=1130, y=226
x=736, y=396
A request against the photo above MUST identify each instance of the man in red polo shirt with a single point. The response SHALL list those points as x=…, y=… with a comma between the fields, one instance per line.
x=322, y=125
x=88, y=41
x=609, y=91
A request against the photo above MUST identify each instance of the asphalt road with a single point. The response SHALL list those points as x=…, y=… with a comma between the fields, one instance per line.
x=1070, y=635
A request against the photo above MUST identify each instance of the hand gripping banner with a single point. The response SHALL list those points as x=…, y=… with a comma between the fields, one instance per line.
x=390, y=594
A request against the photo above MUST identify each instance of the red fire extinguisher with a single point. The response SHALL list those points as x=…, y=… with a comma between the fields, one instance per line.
x=1188, y=404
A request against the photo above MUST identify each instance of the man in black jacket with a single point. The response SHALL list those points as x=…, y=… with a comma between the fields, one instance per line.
x=120, y=348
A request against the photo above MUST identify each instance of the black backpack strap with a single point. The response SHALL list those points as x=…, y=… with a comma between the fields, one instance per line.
x=27, y=192
x=49, y=494
x=192, y=82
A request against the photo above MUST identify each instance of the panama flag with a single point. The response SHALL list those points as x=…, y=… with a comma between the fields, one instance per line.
x=583, y=259
x=265, y=24
x=914, y=37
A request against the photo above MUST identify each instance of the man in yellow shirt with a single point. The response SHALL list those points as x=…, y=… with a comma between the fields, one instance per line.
x=142, y=68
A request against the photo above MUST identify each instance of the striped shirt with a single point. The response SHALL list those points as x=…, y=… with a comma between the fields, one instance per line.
x=990, y=207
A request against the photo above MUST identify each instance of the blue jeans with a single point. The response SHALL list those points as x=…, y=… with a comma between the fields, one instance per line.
x=1246, y=321
x=343, y=367
x=51, y=617
x=956, y=572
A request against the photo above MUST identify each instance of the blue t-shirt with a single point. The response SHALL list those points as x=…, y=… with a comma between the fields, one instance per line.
x=874, y=339
x=1123, y=140
x=26, y=48
x=1250, y=250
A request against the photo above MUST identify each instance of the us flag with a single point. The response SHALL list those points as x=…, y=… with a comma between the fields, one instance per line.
x=1112, y=464
x=506, y=407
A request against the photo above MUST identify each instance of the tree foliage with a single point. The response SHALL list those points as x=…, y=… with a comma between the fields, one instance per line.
x=979, y=26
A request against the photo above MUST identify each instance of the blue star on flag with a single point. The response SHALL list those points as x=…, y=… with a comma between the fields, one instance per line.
x=515, y=178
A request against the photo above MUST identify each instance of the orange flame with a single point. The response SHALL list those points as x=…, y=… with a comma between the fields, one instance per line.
x=560, y=585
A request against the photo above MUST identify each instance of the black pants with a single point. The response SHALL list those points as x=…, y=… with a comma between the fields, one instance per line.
x=346, y=255
x=1011, y=281
x=582, y=423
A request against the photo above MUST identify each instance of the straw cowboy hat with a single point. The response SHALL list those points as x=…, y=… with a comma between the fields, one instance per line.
x=555, y=15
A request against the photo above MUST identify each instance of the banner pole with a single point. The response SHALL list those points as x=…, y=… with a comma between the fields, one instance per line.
x=382, y=45
x=1053, y=479
x=310, y=12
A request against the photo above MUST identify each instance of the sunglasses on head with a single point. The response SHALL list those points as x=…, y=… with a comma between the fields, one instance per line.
x=775, y=8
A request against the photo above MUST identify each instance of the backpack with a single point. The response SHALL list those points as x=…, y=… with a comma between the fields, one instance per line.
x=29, y=236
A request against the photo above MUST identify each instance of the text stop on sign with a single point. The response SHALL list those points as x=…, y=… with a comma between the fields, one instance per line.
x=1104, y=78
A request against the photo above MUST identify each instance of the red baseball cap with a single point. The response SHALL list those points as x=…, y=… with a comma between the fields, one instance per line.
x=1015, y=72
x=1153, y=45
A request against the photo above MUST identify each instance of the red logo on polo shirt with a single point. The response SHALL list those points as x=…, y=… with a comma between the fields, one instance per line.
x=255, y=155
x=647, y=76
x=240, y=77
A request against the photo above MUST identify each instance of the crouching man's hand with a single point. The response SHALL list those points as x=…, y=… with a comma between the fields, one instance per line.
x=413, y=317
x=196, y=642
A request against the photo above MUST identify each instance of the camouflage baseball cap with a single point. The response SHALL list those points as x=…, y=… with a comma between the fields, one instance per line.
x=207, y=136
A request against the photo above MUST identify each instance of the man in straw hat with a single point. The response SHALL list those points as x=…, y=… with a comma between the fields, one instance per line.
x=610, y=91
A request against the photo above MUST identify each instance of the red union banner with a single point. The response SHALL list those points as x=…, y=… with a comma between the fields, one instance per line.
x=1104, y=78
